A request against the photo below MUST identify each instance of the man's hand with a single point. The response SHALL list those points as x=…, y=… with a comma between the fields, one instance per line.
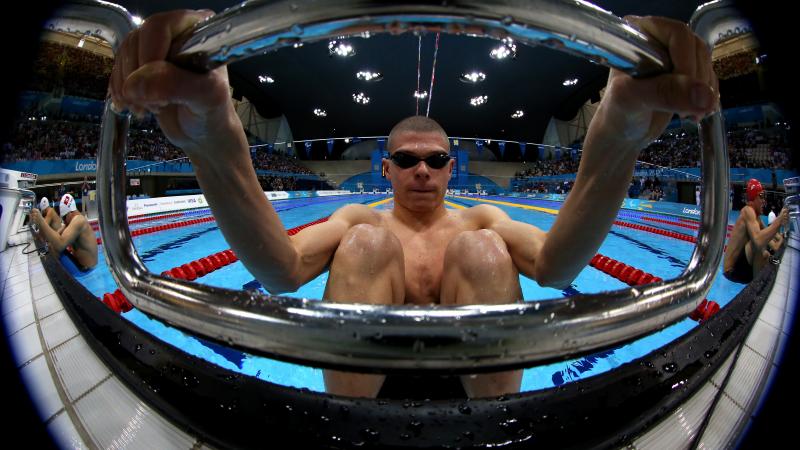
x=36, y=217
x=192, y=109
x=783, y=217
x=638, y=110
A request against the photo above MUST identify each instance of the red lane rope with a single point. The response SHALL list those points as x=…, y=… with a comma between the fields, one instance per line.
x=203, y=266
x=677, y=224
x=191, y=270
x=670, y=222
x=96, y=226
x=637, y=277
x=654, y=230
x=166, y=226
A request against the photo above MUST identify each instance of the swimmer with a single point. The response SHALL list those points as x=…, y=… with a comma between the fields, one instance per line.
x=77, y=233
x=50, y=215
x=751, y=243
x=419, y=252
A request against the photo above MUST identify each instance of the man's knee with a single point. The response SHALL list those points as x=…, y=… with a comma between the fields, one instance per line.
x=479, y=255
x=368, y=247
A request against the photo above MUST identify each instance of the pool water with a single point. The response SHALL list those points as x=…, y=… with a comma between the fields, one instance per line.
x=659, y=255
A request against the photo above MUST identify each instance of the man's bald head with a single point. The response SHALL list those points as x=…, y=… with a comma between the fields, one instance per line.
x=416, y=124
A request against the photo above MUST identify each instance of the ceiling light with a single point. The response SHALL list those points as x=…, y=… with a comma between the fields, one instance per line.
x=505, y=50
x=266, y=79
x=479, y=100
x=570, y=82
x=518, y=114
x=340, y=48
x=360, y=98
x=137, y=20
x=420, y=94
x=320, y=112
x=297, y=44
x=83, y=41
x=366, y=75
x=472, y=77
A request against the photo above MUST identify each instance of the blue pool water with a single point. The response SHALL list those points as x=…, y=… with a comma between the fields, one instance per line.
x=656, y=254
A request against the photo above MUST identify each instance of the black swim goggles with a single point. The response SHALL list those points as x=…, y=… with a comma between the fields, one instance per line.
x=406, y=161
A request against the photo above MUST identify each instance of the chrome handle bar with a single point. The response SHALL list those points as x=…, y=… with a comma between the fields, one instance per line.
x=399, y=338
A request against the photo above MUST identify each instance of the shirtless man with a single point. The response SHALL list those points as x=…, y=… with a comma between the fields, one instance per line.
x=750, y=242
x=50, y=215
x=419, y=252
x=77, y=233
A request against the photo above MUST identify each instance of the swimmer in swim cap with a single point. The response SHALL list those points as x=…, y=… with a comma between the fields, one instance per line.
x=751, y=242
x=76, y=233
x=419, y=252
x=50, y=215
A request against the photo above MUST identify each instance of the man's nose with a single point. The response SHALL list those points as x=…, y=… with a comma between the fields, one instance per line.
x=422, y=170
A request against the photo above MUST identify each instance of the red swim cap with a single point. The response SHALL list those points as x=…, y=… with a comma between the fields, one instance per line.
x=753, y=189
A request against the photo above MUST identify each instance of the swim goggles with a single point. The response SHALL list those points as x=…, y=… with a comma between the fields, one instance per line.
x=406, y=161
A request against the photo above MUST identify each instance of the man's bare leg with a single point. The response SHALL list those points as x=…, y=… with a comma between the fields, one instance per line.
x=367, y=268
x=757, y=258
x=478, y=270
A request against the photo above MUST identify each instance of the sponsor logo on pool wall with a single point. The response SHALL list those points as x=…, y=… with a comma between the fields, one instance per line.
x=694, y=212
x=81, y=166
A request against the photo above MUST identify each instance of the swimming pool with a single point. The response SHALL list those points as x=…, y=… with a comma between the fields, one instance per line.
x=643, y=240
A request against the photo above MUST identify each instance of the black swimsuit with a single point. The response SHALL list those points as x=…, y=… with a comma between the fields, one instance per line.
x=742, y=271
x=431, y=387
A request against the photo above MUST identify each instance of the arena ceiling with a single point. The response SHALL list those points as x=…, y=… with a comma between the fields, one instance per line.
x=307, y=78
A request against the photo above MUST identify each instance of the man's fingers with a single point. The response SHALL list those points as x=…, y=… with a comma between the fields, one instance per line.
x=159, y=30
x=704, y=70
x=681, y=94
x=674, y=35
x=159, y=83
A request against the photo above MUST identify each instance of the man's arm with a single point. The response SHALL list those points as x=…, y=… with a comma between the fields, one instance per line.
x=60, y=240
x=524, y=241
x=632, y=114
x=196, y=113
x=757, y=232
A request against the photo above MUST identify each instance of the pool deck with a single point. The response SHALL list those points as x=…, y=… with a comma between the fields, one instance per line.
x=83, y=405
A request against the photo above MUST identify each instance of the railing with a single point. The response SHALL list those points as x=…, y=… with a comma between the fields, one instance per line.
x=465, y=339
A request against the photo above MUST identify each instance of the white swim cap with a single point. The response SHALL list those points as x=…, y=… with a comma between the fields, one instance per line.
x=44, y=203
x=66, y=205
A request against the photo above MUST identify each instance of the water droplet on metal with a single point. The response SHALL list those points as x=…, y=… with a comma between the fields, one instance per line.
x=507, y=20
x=297, y=29
x=464, y=409
x=670, y=367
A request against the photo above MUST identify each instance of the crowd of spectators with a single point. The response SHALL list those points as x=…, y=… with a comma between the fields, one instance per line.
x=57, y=139
x=548, y=167
x=736, y=65
x=71, y=71
x=747, y=148
x=648, y=188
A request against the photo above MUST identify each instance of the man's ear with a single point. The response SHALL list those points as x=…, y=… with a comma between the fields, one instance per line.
x=385, y=169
